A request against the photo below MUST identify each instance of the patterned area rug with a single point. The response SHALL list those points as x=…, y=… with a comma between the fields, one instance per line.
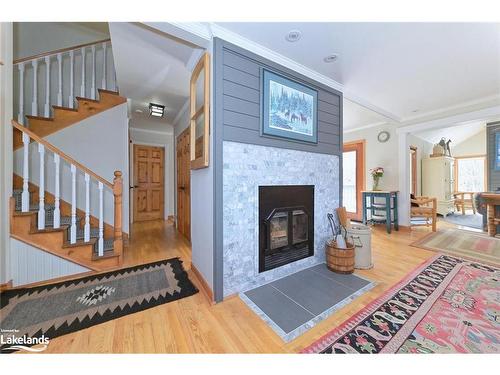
x=448, y=305
x=56, y=309
x=463, y=243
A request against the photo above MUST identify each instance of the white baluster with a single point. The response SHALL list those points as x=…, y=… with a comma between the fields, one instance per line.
x=47, y=86
x=101, y=222
x=25, y=197
x=104, y=54
x=34, y=102
x=71, y=78
x=86, y=228
x=57, y=210
x=73, y=205
x=59, y=70
x=92, y=92
x=82, y=88
x=20, y=116
x=41, y=190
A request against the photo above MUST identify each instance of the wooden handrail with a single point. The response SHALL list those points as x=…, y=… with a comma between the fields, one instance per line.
x=40, y=55
x=55, y=150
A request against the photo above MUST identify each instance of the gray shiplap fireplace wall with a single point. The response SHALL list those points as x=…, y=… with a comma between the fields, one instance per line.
x=237, y=136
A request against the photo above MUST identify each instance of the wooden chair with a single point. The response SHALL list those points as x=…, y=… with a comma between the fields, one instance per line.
x=464, y=200
x=424, y=207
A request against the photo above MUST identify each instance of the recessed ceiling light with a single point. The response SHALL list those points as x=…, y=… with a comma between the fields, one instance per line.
x=156, y=110
x=293, y=35
x=331, y=58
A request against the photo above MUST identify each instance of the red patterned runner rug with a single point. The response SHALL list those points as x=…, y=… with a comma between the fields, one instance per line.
x=447, y=305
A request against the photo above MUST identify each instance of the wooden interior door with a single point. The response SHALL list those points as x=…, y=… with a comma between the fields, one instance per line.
x=149, y=182
x=184, y=183
x=354, y=178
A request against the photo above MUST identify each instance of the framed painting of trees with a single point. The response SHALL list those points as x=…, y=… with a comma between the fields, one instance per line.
x=289, y=109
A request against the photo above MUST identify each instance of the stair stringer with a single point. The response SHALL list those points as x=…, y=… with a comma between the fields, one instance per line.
x=54, y=241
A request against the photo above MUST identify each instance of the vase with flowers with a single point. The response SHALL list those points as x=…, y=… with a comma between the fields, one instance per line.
x=377, y=174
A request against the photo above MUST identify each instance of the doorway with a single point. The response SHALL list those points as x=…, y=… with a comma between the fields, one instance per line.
x=183, y=221
x=413, y=170
x=149, y=182
x=354, y=180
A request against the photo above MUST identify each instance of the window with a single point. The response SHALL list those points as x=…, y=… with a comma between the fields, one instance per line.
x=470, y=173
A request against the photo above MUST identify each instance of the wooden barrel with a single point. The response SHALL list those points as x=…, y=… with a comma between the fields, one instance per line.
x=339, y=260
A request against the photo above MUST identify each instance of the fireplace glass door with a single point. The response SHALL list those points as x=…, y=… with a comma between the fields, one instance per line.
x=279, y=230
x=300, y=229
x=286, y=225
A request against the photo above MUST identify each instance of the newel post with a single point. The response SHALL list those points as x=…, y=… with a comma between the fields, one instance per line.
x=117, y=192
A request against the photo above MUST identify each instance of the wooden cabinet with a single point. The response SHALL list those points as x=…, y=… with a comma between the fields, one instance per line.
x=438, y=181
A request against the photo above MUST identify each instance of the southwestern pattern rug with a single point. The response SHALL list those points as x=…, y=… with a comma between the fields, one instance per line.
x=466, y=244
x=448, y=305
x=56, y=309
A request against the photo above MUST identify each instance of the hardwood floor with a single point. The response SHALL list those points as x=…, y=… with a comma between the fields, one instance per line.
x=193, y=325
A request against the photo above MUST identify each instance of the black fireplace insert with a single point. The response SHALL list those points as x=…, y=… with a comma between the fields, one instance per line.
x=286, y=229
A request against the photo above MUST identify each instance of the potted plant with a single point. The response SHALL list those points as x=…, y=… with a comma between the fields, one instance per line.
x=377, y=174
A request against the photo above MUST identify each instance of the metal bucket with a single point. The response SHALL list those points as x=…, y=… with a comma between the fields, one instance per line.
x=362, y=238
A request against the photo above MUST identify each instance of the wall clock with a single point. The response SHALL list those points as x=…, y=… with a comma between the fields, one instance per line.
x=383, y=136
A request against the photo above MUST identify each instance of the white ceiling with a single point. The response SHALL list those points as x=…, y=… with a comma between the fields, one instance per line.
x=356, y=116
x=457, y=133
x=398, y=67
x=145, y=122
x=152, y=67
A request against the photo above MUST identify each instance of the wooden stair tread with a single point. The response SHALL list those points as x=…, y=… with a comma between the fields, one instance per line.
x=82, y=99
x=65, y=108
x=80, y=242
x=109, y=92
x=107, y=254
x=50, y=229
x=39, y=118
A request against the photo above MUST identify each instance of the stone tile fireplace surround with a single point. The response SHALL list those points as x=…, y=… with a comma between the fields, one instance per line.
x=246, y=167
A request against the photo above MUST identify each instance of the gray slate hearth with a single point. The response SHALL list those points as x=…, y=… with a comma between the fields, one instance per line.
x=295, y=303
x=246, y=167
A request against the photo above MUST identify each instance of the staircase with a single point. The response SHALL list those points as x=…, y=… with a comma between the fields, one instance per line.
x=64, y=117
x=38, y=217
x=61, y=88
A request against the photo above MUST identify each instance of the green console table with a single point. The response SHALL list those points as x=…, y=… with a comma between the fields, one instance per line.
x=382, y=206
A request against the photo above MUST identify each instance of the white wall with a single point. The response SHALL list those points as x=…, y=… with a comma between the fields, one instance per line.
x=157, y=138
x=475, y=145
x=100, y=143
x=33, y=38
x=5, y=145
x=202, y=205
x=30, y=265
x=379, y=155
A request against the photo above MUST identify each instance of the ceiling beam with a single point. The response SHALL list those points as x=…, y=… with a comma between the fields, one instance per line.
x=485, y=114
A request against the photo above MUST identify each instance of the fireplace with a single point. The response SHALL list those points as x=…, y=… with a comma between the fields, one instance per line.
x=286, y=229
